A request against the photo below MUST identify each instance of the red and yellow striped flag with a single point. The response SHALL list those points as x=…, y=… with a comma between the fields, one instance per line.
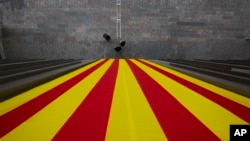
x=123, y=99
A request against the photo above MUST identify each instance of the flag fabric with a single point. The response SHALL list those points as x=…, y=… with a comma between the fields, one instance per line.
x=123, y=99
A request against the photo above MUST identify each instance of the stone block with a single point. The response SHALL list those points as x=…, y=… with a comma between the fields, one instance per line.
x=181, y=23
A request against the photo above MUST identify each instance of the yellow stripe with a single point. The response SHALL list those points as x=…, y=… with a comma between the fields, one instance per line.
x=46, y=123
x=22, y=98
x=213, y=116
x=131, y=117
x=223, y=92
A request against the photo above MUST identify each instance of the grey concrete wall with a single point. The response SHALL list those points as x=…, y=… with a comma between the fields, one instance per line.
x=153, y=29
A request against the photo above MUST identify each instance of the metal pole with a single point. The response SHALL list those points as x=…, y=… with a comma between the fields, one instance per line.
x=118, y=26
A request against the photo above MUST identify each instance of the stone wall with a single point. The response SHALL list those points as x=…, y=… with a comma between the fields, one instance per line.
x=1, y=44
x=153, y=29
x=2, y=53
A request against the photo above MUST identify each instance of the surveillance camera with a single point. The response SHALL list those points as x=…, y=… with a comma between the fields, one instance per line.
x=107, y=37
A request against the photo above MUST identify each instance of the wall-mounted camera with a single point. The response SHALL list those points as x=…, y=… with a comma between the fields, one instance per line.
x=247, y=40
x=106, y=37
x=122, y=44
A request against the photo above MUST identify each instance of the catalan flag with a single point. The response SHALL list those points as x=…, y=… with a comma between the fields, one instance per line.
x=123, y=99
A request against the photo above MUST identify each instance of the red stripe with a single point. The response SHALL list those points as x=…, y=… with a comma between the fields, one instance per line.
x=12, y=119
x=236, y=108
x=176, y=121
x=89, y=121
